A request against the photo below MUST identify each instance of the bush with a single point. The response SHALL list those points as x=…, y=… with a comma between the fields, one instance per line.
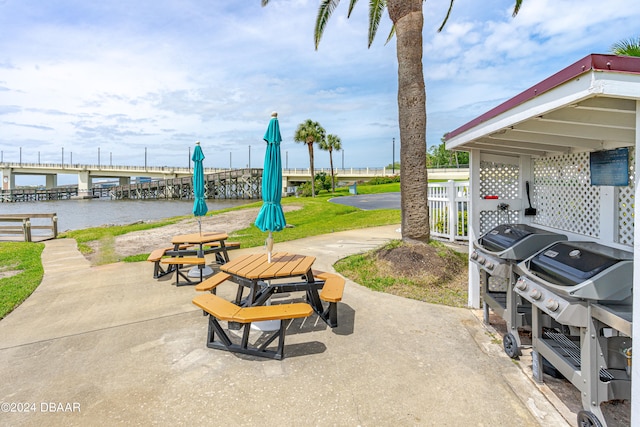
x=304, y=190
x=323, y=182
x=384, y=180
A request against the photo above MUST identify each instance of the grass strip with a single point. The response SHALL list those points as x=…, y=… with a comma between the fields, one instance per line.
x=21, y=266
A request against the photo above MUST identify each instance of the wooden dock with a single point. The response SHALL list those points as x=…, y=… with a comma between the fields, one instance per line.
x=232, y=184
x=45, y=227
x=38, y=194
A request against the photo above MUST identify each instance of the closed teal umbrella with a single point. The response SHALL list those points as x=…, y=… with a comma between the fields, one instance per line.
x=199, y=204
x=271, y=218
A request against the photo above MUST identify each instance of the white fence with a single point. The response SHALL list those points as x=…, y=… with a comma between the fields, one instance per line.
x=448, y=208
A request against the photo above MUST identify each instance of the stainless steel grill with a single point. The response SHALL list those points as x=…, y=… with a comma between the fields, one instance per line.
x=495, y=254
x=581, y=293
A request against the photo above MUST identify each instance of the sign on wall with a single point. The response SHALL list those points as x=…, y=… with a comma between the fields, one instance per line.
x=610, y=167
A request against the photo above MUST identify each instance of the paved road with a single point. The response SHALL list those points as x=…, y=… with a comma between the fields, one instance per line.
x=369, y=202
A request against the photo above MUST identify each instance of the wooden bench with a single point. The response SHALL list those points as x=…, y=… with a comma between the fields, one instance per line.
x=212, y=282
x=331, y=292
x=179, y=262
x=220, y=309
x=156, y=256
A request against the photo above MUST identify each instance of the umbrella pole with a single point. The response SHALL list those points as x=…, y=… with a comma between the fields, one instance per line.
x=269, y=246
x=200, y=251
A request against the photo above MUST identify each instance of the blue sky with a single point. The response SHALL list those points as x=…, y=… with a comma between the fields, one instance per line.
x=123, y=76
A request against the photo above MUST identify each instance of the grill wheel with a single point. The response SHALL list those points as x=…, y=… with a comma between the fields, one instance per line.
x=510, y=345
x=588, y=419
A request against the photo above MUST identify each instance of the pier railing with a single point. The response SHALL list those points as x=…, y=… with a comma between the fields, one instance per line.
x=47, y=222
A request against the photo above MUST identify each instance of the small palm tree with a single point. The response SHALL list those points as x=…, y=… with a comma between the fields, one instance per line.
x=309, y=132
x=332, y=142
x=629, y=47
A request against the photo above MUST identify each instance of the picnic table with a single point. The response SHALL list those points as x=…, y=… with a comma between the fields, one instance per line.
x=264, y=278
x=183, y=250
x=215, y=241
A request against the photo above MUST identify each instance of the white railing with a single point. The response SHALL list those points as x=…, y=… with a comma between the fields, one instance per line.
x=448, y=208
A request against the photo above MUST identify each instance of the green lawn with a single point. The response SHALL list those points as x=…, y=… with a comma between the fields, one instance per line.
x=20, y=263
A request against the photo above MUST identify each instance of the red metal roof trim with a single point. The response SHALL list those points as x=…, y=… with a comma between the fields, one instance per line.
x=626, y=64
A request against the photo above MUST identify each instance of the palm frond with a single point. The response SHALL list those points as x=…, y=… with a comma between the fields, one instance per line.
x=324, y=13
x=352, y=3
x=376, y=8
x=516, y=8
x=391, y=34
x=446, y=18
x=629, y=47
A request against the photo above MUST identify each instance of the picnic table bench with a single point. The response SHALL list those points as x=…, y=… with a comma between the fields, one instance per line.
x=220, y=309
x=179, y=262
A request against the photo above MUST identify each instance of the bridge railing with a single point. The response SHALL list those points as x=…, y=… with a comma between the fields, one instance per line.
x=103, y=167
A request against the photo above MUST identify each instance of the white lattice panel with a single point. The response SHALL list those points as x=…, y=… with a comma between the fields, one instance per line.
x=563, y=194
x=499, y=179
x=626, y=202
x=492, y=219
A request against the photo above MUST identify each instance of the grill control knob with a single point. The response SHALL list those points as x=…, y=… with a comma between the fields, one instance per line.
x=489, y=265
x=521, y=284
x=552, y=304
x=474, y=255
x=535, y=294
x=481, y=260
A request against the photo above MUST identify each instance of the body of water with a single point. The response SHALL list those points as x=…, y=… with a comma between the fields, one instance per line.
x=78, y=214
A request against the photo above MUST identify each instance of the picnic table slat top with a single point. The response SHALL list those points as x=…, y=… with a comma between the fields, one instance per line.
x=256, y=266
x=199, y=238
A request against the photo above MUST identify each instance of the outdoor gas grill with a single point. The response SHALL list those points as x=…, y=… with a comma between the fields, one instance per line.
x=581, y=297
x=495, y=254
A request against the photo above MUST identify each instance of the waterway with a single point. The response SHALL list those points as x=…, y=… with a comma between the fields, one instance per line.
x=78, y=214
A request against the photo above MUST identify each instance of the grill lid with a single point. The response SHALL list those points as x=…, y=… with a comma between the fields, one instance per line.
x=571, y=263
x=517, y=241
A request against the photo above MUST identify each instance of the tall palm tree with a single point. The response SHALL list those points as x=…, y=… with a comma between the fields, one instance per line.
x=309, y=132
x=629, y=47
x=330, y=143
x=407, y=19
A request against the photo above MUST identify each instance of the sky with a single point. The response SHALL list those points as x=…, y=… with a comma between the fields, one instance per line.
x=118, y=79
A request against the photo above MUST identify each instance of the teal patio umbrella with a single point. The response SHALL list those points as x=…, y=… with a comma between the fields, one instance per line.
x=199, y=204
x=271, y=218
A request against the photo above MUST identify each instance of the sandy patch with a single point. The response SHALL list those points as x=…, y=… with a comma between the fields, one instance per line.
x=140, y=242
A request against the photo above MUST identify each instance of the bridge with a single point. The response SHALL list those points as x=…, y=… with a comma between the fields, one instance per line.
x=88, y=173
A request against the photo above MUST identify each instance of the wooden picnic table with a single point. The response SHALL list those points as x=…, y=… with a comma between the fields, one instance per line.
x=263, y=278
x=216, y=240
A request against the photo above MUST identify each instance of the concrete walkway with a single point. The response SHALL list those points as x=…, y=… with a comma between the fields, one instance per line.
x=111, y=345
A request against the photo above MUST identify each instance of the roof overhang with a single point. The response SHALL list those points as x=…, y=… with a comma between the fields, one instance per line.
x=590, y=105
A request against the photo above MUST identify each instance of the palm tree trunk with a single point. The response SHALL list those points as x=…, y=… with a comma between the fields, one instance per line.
x=313, y=174
x=408, y=20
x=333, y=182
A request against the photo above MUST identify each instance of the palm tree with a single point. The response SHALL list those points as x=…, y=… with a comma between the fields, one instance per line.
x=407, y=19
x=629, y=47
x=309, y=132
x=330, y=143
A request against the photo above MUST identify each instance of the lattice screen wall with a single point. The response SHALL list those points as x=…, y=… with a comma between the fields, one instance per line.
x=566, y=200
x=626, y=204
x=498, y=179
x=564, y=196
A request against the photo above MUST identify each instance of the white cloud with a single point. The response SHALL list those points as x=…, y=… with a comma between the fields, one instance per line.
x=125, y=75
